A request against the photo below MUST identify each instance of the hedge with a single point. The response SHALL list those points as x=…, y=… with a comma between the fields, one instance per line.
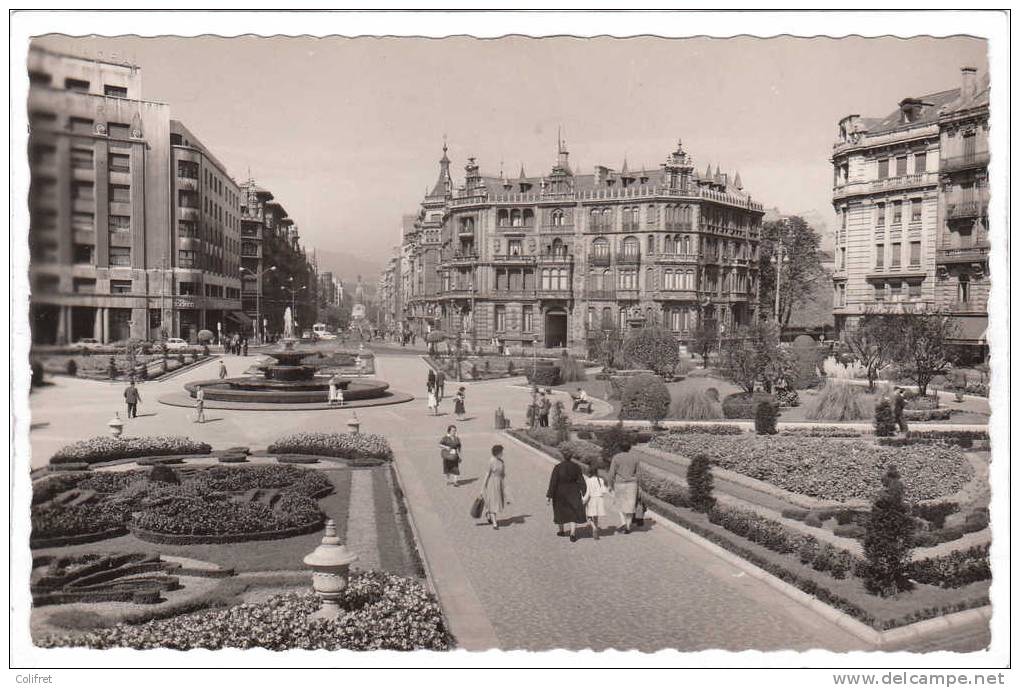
x=335, y=444
x=99, y=449
x=744, y=405
x=955, y=569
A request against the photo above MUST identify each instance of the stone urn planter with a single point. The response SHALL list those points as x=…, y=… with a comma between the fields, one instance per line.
x=330, y=563
x=116, y=425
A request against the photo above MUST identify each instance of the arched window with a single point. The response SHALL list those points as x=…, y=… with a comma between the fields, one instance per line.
x=631, y=247
x=596, y=217
x=667, y=244
x=650, y=212
x=607, y=280
x=651, y=243
x=600, y=247
x=529, y=217
x=515, y=218
x=503, y=218
x=607, y=219
x=686, y=246
x=649, y=279
x=558, y=248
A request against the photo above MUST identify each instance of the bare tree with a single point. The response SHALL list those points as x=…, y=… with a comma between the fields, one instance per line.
x=872, y=343
x=922, y=345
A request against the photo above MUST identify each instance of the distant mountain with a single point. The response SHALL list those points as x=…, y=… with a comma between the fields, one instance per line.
x=818, y=221
x=347, y=266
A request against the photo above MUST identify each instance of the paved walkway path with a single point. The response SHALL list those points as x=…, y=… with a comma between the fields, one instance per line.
x=517, y=588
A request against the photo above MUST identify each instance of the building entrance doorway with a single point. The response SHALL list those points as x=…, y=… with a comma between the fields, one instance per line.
x=83, y=322
x=555, y=329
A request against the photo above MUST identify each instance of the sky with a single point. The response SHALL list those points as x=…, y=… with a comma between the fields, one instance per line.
x=347, y=133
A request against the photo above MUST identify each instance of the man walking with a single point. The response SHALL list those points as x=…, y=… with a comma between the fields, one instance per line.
x=899, y=402
x=244, y=346
x=440, y=382
x=132, y=397
x=223, y=370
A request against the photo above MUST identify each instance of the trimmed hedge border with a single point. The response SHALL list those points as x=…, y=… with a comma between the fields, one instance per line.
x=225, y=538
x=68, y=540
x=181, y=570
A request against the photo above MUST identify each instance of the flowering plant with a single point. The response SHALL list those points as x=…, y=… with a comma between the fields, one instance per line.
x=341, y=445
x=97, y=449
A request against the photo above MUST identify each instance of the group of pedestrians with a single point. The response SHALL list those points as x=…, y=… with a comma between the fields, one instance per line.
x=236, y=345
x=493, y=493
x=435, y=388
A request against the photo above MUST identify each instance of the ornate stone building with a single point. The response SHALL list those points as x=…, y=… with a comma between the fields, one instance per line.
x=557, y=260
x=910, y=194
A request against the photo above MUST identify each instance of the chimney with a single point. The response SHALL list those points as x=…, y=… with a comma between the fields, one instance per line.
x=969, y=79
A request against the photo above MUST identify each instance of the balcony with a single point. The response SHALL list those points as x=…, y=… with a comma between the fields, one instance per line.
x=628, y=258
x=601, y=294
x=672, y=258
x=188, y=183
x=958, y=163
x=555, y=259
x=906, y=181
x=185, y=212
x=967, y=254
x=462, y=259
x=674, y=226
x=628, y=294
x=567, y=229
x=599, y=260
x=675, y=295
x=968, y=210
x=554, y=293
x=513, y=259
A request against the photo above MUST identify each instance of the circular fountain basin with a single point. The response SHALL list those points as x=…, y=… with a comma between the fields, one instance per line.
x=263, y=391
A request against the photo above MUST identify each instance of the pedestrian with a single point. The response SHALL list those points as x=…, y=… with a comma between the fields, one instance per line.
x=458, y=404
x=622, y=480
x=223, y=370
x=566, y=490
x=244, y=346
x=544, y=407
x=433, y=402
x=430, y=383
x=332, y=390
x=133, y=398
x=450, y=452
x=200, y=406
x=594, y=497
x=899, y=402
x=440, y=383
x=494, y=492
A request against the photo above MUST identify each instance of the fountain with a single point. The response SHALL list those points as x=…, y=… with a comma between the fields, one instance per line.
x=288, y=380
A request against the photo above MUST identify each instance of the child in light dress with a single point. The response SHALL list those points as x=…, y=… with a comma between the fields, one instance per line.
x=594, y=496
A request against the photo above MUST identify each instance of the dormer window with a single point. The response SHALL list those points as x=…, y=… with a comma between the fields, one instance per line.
x=910, y=110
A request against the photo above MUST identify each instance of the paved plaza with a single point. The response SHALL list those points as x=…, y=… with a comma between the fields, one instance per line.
x=519, y=587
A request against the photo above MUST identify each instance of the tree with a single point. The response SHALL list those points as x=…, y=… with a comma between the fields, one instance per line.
x=645, y=397
x=872, y=343
x=799, y=272
x=604, y=345
x=706, y=338
x=888, y=539
x=738, y=360
x=922, y=345
x=753, y=354
x=653, y=348
x=699, y=483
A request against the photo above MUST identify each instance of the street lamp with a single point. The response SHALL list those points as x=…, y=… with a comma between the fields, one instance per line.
x=258, y=295
x=779, y=259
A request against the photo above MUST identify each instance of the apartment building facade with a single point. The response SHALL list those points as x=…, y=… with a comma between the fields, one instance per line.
x=558, y=260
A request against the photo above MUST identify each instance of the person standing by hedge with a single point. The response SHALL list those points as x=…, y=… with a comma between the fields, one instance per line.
x=494, y=492
x=449, y=450
x=565, y=493
x=622, y=481
x=132, y=398
x=899, y=402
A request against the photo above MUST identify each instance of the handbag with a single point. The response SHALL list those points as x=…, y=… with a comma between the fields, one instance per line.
x=477, y=506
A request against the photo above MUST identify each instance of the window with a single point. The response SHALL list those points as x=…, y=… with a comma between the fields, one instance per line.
x=120, y=162
x=500, y=318
x=187, y=199
x=120, y=223
x=79, y=85
x=879, y=256
x=119, y=131
x=528, y=317
x=969, y=144
x=880, y=292
x=915, y=210
x=897, y=212
x=901, y=166
x=880, y=215
x=894, y=260
x=915, y=291
x=842, y=258
x=841, y=295
x=631, y=248
x=883, y=168
x=120, y=193
x=513, y=247
x=39, y=78
x=120, y=256
x=83, y=221
x=43, y=154
x=915, y=253
x=115, y=91
x=81, y=125
x=83, y=191
x=187, y=288
x=81, y=158
x=920, y=162
x=83, y=285
x=82, y=254
x=186, y=259
x=963, y=288
x=120, y=286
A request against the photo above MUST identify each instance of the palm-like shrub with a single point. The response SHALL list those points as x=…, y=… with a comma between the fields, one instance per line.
x=695, y=404
x=645, y=397
x=837, y=400
x=887, y=540
x=699, y=483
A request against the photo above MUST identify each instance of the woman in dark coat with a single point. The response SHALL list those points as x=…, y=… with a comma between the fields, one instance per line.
x=430, y=382
x=566, y=488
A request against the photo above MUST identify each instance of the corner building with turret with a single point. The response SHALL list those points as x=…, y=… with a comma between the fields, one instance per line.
x=559, y=260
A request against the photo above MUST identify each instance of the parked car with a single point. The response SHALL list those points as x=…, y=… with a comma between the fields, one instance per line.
x=176, y=344
x=86, y=344
x=326, y=336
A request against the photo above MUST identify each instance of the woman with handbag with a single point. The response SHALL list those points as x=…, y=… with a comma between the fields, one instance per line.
x=494, y=494
x=450, y=447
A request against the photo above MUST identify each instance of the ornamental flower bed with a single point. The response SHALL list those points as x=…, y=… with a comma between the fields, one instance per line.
x=379, y=611
x=98, y=449
x=826, y=468
x=189, y=514
x=339, y=445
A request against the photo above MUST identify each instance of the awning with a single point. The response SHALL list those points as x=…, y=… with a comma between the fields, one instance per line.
x=240, y=317
x=971, y=329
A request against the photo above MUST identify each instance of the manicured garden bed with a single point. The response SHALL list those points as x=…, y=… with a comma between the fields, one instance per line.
x=339, y=445
x=378, y=612
x=100, y=449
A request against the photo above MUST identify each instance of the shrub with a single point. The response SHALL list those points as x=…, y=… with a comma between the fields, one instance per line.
x=765, y=417
x=930, y=538
x=654, y=348
x=98, y=449
x=820, y=432
x=544, y=376
x=852, y=531
x=205, y=336
x=837, y=400
x=699, y=483
x=935, y=512
x=340, y=445
x=885, y=419
x=788, y=398
x=645, y=397
x=813, y=520
x=582, y=451
x=976, y=521
x=163, y=474
x=662, y=485
x=707, y=429
x=550, y=437
x=795, y=514
x=744, y=405
x=615, y=440
x=72, y=367
x=712, y=393
x=79, y=519
x=888, y=539
x=955, y=569
x=571, y=370
x=693, y=404
x=924, y=416
x=379, y=611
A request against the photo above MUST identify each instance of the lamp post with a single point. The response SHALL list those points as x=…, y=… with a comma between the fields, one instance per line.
x=779, y=259
x=258, y=295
